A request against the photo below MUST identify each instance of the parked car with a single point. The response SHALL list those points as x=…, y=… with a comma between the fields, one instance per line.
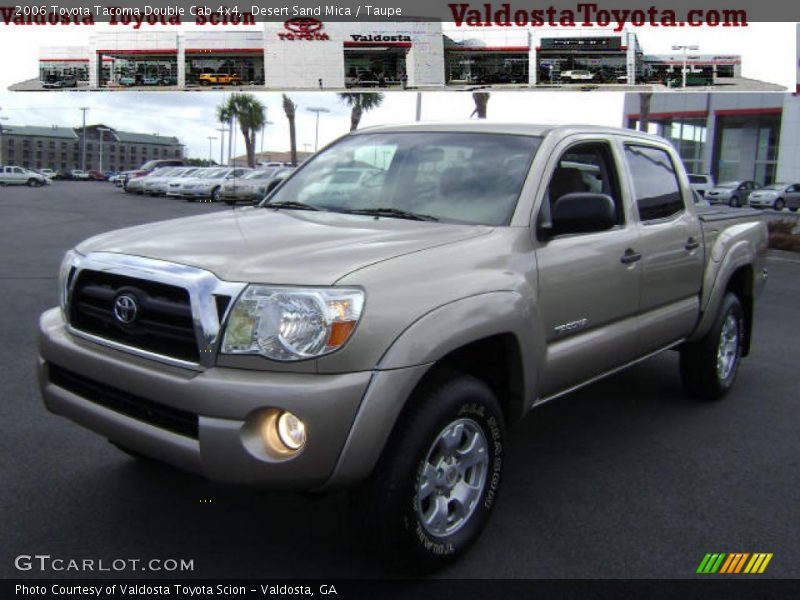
x=96, y=176
x=79, y=175
x=49, y=173
x=127, y=81
x=218, y=79
x=406, y=322
x=793, y=197
x=732, y=193
x=156, y=184
x=149, y=167
x=206, y=186
x=701, y=183
x=771, y=196
x=57, y=82
x=253, y=186
x=136, y=184
x=577, y=75
x=20, y=176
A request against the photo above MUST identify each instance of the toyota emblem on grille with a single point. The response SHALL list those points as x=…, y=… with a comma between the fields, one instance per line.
x=303, y=25
x=126, y=309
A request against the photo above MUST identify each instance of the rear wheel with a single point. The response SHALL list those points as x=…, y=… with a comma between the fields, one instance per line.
x=734, y=202
x=709, y=365
x=436, y=483
x=34, y=183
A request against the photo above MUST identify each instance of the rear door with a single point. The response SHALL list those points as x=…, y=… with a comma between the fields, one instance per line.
x=588, y=292
x=793, y=197
x=672, y=246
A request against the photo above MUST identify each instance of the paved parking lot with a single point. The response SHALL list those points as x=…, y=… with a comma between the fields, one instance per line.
x=625, y=478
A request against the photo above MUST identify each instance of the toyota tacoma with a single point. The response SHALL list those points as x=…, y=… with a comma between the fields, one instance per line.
x=384, y=314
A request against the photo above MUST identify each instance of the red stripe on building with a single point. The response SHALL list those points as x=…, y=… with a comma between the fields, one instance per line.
x=224, y=51
x=172, y=51
x=490, y=49
x=63, y=60
x=372, y=44
x=747, y=112
x=687, y=114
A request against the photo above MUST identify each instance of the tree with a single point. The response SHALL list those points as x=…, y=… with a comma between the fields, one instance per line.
x=359, y=104
x=481, y=100
x=249, y=113
x=644, y=110
x=290, y=108
x=225, y=117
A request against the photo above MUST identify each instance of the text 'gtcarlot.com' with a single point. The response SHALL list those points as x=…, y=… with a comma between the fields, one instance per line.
x=46, y=562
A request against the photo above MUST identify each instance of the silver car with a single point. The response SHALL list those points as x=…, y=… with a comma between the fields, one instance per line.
x=21, y=176
x=732, y=193
x=206, y=186
x=253, y=186
x=136, y=185
x=772, y=196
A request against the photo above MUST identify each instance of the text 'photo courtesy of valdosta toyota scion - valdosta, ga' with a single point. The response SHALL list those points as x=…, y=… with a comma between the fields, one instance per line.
x=174, y=341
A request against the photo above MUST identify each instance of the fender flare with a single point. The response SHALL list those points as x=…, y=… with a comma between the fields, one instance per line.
x=429, y=339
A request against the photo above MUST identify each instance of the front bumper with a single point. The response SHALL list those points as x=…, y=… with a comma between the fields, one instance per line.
x=195, y=193
x=762, y=202
x=225, y=402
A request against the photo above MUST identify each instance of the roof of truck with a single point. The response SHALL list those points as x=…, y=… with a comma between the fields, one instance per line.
x=484, y=126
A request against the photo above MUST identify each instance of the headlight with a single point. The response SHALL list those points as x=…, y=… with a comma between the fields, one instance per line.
x=289, y=324
x=65, y=273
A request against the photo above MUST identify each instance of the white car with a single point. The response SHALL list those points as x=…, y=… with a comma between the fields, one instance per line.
x=79, y=175
x=701, y=183
x=20, y=176
x=207, y=185
x=49, y=173
x=156, y=184
x=577, y=75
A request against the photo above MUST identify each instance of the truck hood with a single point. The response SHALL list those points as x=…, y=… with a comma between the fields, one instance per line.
x=291, y=247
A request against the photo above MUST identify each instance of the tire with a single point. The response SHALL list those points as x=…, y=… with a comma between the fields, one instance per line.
x=33, y=183
x=215, y=195
x=734, y=203
x=779, y=204
x=705, y=375
x=452, y=415
x=793, y=208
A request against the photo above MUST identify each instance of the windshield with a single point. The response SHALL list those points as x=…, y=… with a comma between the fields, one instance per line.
x=212, y=173
x=457, y=177
x=728, y=184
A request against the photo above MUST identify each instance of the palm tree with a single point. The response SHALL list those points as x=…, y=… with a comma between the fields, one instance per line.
x=289, y=108
x=225, y=117
x=359, y=104
x=249, y=113
x=481, y=100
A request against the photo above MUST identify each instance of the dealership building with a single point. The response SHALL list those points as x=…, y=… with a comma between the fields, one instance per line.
x=60, y=148
x=731, y=136
x=311, y=54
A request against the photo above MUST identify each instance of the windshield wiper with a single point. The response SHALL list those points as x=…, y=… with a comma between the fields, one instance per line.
x=392, y=212
x=292, y=205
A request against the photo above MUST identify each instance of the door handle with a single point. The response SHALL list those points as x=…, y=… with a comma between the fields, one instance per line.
x=630, y=257
x=691, y=244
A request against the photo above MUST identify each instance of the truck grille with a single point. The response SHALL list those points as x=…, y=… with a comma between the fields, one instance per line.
x=163, y=321
x=165, y=417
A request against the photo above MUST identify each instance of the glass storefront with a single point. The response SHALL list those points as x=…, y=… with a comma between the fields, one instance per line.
x=379, y=66
x=64, y=69
x=747, y=148
x=249, y=69
x=129, y=70
x=486, y=67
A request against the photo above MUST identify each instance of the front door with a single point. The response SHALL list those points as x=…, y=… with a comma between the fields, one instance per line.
x=589, y=284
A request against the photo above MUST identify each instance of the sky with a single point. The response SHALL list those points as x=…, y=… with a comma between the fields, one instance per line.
x=191, y=117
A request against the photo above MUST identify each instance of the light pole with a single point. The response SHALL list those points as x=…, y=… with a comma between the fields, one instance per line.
x=83, y=149
x=685, y=50
x=1, y=137
x=211, y=139
x=317, y=110
x=101, y=130
x=222, y=131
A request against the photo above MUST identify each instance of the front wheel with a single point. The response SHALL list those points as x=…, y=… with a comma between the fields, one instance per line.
x=34, y=183
x=779, y=204
x=709, y=365
x=435, y=486
x=734, y=203
x=215, y=195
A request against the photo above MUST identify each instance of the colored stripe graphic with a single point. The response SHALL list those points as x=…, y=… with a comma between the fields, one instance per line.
x=734, y=563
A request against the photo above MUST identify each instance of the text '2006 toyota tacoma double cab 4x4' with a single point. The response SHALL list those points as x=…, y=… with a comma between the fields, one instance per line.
x=391, y=307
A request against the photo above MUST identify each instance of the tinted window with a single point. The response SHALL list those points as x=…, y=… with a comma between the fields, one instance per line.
x=655, y=184
x=697, y=179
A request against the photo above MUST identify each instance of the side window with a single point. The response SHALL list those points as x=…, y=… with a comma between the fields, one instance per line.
x=586, y=168
x=655, y=183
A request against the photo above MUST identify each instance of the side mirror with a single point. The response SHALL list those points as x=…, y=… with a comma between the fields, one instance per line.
x=581, y=212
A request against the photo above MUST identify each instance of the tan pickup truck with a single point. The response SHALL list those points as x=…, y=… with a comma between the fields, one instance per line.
x=391, y=307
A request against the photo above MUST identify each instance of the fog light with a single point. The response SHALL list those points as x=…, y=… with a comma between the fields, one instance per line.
x=292, y=431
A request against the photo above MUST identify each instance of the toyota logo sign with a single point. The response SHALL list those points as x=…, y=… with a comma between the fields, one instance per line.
x=126, y=309
x=303, y=29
